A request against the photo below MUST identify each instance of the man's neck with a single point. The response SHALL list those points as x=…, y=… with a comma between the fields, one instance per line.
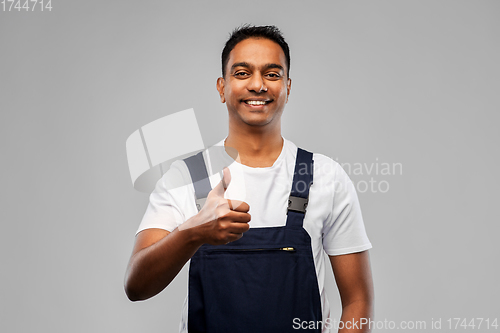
x=255, y=148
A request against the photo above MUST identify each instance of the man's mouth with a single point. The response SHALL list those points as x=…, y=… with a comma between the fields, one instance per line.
x=257, y=102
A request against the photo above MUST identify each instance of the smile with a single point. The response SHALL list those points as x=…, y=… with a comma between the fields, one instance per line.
x=253, y=102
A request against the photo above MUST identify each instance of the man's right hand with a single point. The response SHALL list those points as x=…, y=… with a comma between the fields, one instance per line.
x=159, y=255
x=221, y=220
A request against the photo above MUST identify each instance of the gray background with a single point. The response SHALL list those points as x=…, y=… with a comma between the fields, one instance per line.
x=410, y=82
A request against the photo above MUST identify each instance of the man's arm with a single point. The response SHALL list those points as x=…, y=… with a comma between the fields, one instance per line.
x=159, y=255
x=157, y=258
x=354, y=281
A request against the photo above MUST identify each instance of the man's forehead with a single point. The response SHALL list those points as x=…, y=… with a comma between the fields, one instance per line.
x=256, y=52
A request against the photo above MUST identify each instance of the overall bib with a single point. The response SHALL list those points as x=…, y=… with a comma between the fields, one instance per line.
x=262, y=281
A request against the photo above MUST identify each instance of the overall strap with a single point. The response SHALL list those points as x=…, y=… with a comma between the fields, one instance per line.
x=299, y=195
x=199, y=176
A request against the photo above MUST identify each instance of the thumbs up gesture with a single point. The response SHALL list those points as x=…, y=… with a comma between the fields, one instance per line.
x=221, y=220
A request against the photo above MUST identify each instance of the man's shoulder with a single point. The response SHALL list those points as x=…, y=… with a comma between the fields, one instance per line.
x=176, y=176
x=322, y=163
x=328, y=174
x=178, y=171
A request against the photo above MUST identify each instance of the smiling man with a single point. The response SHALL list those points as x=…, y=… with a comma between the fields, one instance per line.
x=256, y=265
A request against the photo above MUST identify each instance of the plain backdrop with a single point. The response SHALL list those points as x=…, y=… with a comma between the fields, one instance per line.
x=409, y=83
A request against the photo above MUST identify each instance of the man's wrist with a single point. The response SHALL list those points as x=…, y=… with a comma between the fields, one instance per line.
x=191, y=233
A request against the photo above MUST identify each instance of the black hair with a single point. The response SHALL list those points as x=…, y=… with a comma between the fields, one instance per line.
x=239, y=34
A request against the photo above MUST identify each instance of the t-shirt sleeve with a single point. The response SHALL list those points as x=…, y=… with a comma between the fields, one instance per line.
x=166, y=208
x=344, y=231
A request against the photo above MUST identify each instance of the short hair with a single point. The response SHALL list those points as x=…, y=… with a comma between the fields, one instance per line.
x=243, y=32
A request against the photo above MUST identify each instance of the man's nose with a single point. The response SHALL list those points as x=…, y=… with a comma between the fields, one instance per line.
x=257, y=84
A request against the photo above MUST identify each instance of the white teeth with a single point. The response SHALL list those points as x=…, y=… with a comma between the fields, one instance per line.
x=256, y=102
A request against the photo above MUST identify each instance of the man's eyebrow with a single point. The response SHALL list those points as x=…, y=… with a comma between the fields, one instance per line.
x=247, y=65
x=278, y=66
x=241, y=64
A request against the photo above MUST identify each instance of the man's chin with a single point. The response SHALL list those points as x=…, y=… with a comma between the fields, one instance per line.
x=255, y=118
x=258, y=119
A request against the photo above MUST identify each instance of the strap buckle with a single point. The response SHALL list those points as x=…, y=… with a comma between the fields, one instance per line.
x=297, y=204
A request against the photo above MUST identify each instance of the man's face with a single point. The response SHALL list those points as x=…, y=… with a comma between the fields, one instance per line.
x=255, y=87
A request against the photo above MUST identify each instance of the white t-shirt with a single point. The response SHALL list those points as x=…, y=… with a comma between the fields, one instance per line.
x=333, y=218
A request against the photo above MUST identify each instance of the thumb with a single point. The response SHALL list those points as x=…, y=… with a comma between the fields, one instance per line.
x=224, y=183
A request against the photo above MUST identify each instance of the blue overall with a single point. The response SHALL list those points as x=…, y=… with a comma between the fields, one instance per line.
x=262, y=281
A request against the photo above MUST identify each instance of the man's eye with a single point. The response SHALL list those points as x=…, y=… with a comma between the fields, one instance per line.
x=273, y=75
x=240, y=74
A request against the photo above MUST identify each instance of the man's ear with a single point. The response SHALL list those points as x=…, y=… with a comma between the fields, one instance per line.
x=220, y=89
x=288, y=88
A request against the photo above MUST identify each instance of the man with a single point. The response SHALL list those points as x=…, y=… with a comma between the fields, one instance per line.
x=257, y=265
